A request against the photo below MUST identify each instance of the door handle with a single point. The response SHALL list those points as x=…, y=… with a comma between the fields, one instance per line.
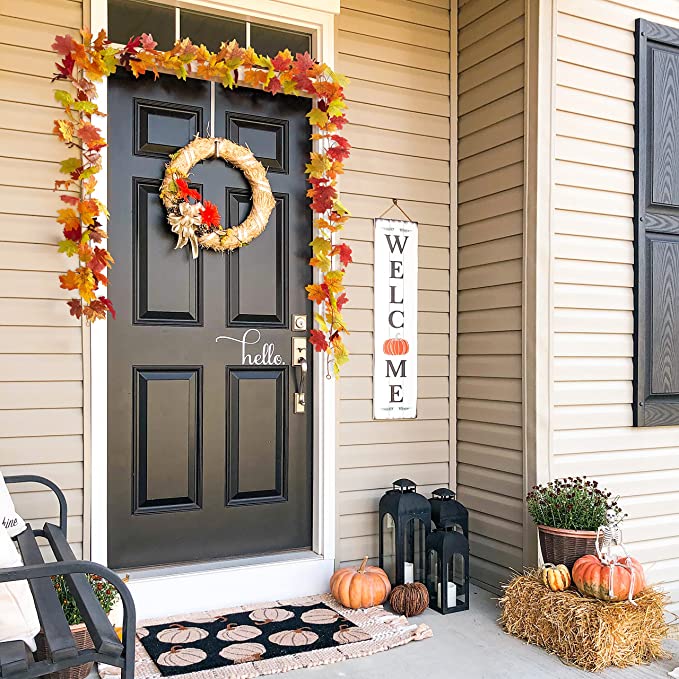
x=300, y=394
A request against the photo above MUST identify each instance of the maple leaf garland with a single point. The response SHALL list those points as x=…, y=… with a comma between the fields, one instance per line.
x=88, y=61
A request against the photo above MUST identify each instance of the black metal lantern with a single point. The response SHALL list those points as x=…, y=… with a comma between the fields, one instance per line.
x=447, y=513
x=405, y=521
x=448, y=571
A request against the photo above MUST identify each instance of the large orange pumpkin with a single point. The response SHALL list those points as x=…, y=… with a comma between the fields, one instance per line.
x=396, y=346
x=360, y=587
x=593, y=578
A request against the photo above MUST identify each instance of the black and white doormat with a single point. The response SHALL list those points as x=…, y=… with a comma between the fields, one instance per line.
x=251, y=641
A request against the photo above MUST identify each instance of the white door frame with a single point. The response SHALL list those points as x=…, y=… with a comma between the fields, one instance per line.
x=163, y=591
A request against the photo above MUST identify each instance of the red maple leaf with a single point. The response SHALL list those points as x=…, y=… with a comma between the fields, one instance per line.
x=70, y=200
x=63, y=44
x=344, y=252
x=100, y=259
x=73, y=233
x=64, y=67
x=340, y=149
x=341, y=301
x=109, y=305
x=338, y=121
x=91, y=135
x=186, y=192
x=322, y=195
x=210, y=214
x=282, y=61
x=318, y=340
x=75, y=307
x=274, y=86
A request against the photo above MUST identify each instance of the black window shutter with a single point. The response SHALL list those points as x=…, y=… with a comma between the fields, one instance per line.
x=656, y=217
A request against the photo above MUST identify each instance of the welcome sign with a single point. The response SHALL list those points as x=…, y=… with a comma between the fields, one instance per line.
x=395, y=332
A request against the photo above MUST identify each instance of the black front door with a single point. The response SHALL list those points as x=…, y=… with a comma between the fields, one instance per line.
x=207, y=458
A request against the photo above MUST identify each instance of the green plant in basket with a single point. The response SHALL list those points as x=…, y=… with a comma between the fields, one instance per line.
x=572, y=504
x=105, y=592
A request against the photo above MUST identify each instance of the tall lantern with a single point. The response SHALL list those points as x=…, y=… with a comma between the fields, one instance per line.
x=405, y=521
x=448, y=571
x=447, y=513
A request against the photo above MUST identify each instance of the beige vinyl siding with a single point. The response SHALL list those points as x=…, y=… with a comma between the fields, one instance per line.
x=41, y=367
x=490, y=227
x=397, y=54
x=593, y=255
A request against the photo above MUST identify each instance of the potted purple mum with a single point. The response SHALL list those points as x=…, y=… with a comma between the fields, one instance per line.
x=567, y=513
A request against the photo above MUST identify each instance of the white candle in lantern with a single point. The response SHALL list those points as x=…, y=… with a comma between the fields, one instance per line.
x=452, y=595
x=408, y=572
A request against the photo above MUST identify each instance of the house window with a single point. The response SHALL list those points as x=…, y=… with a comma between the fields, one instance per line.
x=656, y=364
x=167, y=24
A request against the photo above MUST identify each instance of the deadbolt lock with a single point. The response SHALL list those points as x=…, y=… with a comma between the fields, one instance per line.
x=298, y=322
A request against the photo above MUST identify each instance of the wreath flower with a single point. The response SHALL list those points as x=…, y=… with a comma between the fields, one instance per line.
x=88, y=59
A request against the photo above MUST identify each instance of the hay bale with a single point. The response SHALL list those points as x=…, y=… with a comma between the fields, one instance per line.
x=585, y=632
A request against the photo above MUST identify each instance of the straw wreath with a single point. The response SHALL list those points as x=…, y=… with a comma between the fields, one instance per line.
x=188, y=219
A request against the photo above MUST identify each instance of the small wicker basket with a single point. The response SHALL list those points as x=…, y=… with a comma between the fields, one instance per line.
x=559, y=545
x=82, y=641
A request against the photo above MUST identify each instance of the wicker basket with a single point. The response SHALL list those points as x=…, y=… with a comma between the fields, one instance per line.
x=559, y=545
x=82, y=641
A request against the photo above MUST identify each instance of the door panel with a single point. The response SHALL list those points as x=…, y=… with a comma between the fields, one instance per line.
x=206, y=458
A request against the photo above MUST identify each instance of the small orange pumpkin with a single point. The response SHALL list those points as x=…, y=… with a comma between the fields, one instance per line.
x=396, y=346
x=360, y=587
x=596, y=579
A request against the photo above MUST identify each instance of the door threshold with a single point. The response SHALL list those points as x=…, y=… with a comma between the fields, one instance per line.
x=209, y=586
x=149, y=572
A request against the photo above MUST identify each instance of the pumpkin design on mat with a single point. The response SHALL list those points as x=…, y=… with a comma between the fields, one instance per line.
x=239, y=633
x=620, y=580
x=396, y=346
x=263, y=616
x=294, y=637
x=350, y=635
x=557, y=578
x=181, y=657
x=320, y=616
x=178, y=634
x=240, y=653
x=360, y=587
x=142, y=632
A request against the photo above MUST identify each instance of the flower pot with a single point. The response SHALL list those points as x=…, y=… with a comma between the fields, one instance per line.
x=82, y=641
x=560, y=545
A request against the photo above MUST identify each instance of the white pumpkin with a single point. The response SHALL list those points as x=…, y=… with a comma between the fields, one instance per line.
x=320, y=616
x=181, y=657
x=178, y=634
x=294, y=637
x=267, y=615
x=350, y=635
x=238, y=633
x=240, y=653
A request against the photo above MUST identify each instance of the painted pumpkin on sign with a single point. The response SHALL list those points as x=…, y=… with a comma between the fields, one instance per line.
x=350, y=635
x=263, y=616
x=238, y=633
x=178, y=634
x=623, y=580
x=396, y=346
x=360, y=587
x=181, y=657
x=294, y=637
x=240, y=653
x=557, y=578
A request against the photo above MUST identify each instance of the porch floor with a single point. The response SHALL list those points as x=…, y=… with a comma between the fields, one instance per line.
x=471, y=645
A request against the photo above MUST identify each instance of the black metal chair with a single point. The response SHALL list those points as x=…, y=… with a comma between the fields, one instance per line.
x=16, y=660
